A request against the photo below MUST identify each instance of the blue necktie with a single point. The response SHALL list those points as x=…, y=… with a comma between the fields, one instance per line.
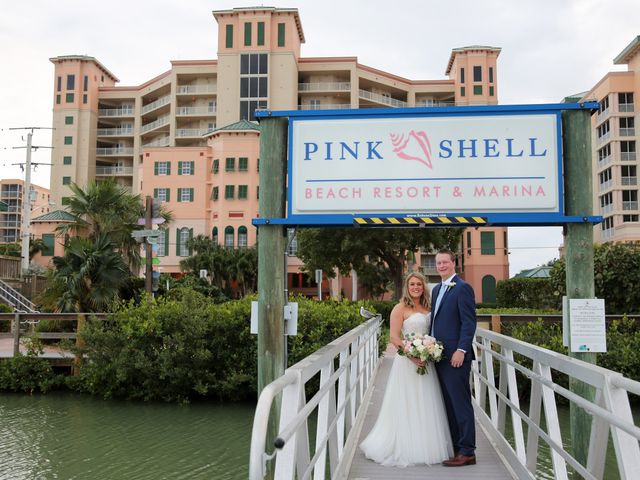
x=443, y=288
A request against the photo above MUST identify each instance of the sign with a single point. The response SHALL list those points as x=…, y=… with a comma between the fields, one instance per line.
x=145, y=233
x=587, y=325
x=456, y=164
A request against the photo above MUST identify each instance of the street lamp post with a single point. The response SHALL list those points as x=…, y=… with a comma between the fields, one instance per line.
x=26, y=210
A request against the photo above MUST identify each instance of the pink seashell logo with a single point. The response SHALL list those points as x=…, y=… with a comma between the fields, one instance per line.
x=413, y=146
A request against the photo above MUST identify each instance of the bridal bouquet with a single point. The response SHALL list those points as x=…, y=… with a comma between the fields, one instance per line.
x=422, y=347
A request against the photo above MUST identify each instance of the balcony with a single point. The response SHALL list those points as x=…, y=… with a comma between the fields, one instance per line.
x=606, y=209
x=194, y=111
x=158, y=142
x=630, y=205
x=161, y=102
x=116, y=112
x=325, y=87
x=604, y=138
x=325, y=106
x=160, y=122
x=191, y=132
x=114, y=171
x=196, y=90
x=115, y=132
x=627, y=156
x=114, y=151
x=628, y=180
x=383, y=99
x=604, y=161
x=5, y=194
x=606, y=185
x=627, y=132
x=625, y=107
x=10, y=224
x=607, y=234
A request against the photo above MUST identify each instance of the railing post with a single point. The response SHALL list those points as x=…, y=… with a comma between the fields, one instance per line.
x=77, y=361
x=16, y=334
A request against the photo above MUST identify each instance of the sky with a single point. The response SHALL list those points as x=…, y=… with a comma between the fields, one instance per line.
x=550, y=49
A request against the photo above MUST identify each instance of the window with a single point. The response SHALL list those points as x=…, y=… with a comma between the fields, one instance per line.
x=68, y=98
x=230, y=164
x=628, y=175
x=606, y=203
x=629, y=200
x=162, y=194
x=214, y=235
x=477, y=89
x=462, y=75
x=258, y=165
x=463, y=91
x=253, y=84
x=625, y=102
x=242, y=237
x=490, y=74
x=428, y=263
x=477, y=73
x=229, y=191
x=228, y=237
x=491, y=91
x=163, y=243
x=68, y=140
x=214, y=193
x=185, y=195
x=628, y=150
x=314, y=104
x=216, y=166
x=243, y=164
x=260, y=33
x=185, y=168
x=605, y=178
x=229, y=36
x=468, y=243
x=603, y=130
x=627, y=126
x=48, y=239
x=84, y=98
x=247, y=34
x=66, y=180
x=85, y=83
x=258, y=192
x=505, y=242
x=281, y=34
x=59, y=85
x=58, y=99
x=66, y=160
x=68, y=120
x=71, y=82
x=183, y=237
x=242, y=191
x=162, y=168
x=604, y=106
x=607, y=227
x=604, y=155
x=487, y=243
x=630, y=218
x=488, y=289
x=292, y=243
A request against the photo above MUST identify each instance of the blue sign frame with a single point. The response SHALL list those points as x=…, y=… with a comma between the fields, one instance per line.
x=555, y=217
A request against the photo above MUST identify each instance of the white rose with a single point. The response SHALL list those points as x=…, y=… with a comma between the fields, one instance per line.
x=420, y=348
x=417, y=342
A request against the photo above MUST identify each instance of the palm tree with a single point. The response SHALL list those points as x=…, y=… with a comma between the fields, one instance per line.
x=88, y=278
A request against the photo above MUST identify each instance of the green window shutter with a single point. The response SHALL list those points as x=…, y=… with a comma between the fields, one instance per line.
x=229, y=36
x=230, y=164
x=216, y=165
x=166, y=242
x=488, y=289
x=68, y=120
x=242, y=191
x=281, y=34
x=155, y=193
x=260, y=33
x=177, y=241
x=462, y=91
x=66, y=160
x=247, y=34
x=49, y=244
x=179, y=199
x=155, y=168
x=193, y=168
x=229, y=191
x=179, y=168
x=191, y=194
x=66, y=180
x=491, y=92
x=487, y=243
x=168, y=168
x=190, y=244
x=68, y=140
x=69, y=97
x=477, y=89
x=168, y=195
x=243, y=164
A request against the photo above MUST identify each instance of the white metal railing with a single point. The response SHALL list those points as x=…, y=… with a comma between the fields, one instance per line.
x=10, y=223
x=606, y=209
x=324, y=86
x=324, y=106
x=158, y=142
x=114, y=170
x=605, y=185
x=604, y=161
x=161, y=102
x=114, y=151
x=184, y=111
x=105, y=132
x=627, y=156
x=627, y=132
x=341, y=395
x=625, y=107
x=160, y=122
x=191, y=132
x=630, y=205
x=116, y=112
x=190, y=89
x=19, y=302
x=607, y=233
x=384, y=99
x=604, y=138
x=610, y=410
x=628, y=180
x=7, y=194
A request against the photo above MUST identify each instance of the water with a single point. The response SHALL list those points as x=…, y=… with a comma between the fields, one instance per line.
x=74, y=437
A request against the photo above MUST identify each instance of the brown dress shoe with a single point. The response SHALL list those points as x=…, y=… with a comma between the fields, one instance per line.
x=460, y=461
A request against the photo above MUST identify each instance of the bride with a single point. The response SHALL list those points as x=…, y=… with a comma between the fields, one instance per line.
x=412, y=426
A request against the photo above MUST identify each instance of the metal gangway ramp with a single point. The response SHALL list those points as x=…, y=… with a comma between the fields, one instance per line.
x=318, y=438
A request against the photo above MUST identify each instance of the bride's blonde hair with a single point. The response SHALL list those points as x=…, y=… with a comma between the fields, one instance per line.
x=424, y=298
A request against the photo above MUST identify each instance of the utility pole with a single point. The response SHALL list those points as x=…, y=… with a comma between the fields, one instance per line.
x=26, y=197
x=148, y=248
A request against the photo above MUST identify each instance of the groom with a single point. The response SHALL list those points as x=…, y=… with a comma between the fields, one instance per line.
x=454, y=324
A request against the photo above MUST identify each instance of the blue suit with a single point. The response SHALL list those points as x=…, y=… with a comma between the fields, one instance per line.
x=454, y=324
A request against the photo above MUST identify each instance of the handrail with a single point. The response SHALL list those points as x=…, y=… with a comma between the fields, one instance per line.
x=16, y=299
x=611, y=411
x=338, y=409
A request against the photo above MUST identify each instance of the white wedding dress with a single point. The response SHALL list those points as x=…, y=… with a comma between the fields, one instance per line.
x=412, y=427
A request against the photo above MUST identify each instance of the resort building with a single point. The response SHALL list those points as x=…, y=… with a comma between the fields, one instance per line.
x=614, y=144
x=12, y=198
x=188, y=137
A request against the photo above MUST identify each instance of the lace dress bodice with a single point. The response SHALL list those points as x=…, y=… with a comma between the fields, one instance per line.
x=417, y=323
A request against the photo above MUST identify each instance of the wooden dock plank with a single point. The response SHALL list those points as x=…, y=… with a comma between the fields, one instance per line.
x=489, y=463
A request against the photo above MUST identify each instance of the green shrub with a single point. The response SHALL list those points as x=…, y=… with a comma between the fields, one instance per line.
x=537, y=293
x=4, y=308
x=27, y=373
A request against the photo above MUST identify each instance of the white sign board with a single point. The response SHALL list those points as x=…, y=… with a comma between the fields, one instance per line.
x=463, y=164
x=587, y=325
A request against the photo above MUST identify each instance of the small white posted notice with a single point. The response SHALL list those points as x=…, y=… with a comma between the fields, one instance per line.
x=588, y=331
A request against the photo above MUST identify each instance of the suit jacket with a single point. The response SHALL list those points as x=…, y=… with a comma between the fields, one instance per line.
x=455, y=322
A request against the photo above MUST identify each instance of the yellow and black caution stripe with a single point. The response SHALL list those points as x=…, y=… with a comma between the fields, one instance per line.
x=418, y=221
